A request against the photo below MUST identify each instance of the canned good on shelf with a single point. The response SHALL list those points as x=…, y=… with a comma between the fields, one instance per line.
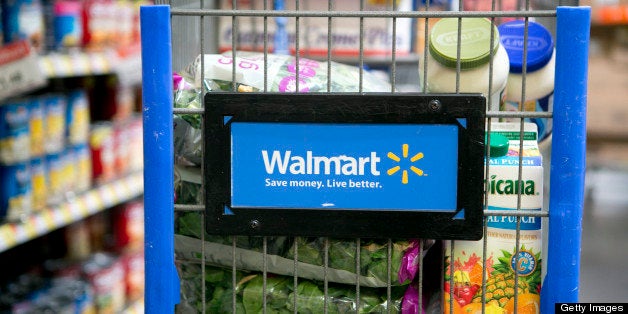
x=40, y=186
x=54, y=108
x=102, y=145
x=16, y=192
x=77, y=117
x=14, y=132
x=36, y=124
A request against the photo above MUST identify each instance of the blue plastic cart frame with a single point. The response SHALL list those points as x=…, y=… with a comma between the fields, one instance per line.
x=567, y=168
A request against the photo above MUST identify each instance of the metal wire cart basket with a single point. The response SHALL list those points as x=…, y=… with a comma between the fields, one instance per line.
x=363, y=156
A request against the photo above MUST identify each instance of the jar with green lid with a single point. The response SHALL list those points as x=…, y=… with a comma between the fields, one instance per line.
x=479, y=38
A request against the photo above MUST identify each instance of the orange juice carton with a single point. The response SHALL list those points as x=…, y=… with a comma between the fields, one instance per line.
x=512, y=264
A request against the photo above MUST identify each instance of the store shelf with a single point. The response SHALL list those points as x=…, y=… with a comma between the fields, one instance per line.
x=75, y=64
x=136, y=307
x=19, y=70
x=74, y=209
x=126, y=65
x=22, y=70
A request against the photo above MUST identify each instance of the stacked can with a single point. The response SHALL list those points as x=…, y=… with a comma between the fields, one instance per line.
x=44, y=151
x=16, y=191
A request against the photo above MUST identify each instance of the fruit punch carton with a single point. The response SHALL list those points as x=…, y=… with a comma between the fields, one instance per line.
x=505, y=191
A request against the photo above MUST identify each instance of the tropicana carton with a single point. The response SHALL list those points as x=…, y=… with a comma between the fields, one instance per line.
x=506, y=267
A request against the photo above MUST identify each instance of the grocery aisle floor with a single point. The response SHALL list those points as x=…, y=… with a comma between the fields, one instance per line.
x=603, y=276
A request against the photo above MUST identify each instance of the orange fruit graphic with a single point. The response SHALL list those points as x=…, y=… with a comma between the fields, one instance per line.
x=472, y=308
x=475, y=274
x=457, y=309
x=476, y=308
x=527, y=303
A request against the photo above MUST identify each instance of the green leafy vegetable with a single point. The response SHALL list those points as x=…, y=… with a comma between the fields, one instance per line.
x=277, y=291
x=308, y=250
x=280, y=294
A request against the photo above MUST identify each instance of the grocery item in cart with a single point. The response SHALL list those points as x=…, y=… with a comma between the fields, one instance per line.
x=281, y=73
x=279, y=292
x=480, y=52
x=310, y=252
x=539, y=68
x=504, y=260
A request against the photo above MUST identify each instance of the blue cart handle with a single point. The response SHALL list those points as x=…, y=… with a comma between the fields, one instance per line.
x=567, y=168
x=162, y=283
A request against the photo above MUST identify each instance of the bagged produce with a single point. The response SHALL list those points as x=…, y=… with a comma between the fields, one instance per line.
x=280, y=294
x=281, y=71
x=374, y=264
x=187, y=185
x=373, y=256
x=250, y=70
x=341, y=267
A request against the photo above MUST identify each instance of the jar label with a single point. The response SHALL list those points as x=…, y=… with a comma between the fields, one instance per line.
x=544, y=104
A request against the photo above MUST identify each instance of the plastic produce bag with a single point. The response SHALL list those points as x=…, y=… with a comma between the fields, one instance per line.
x=279, y=257
x=373, y=257
x=281, y=71
x=280, y=294
x=249, y=77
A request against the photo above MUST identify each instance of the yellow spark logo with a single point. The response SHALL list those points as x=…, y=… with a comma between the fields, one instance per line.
x=404, y=173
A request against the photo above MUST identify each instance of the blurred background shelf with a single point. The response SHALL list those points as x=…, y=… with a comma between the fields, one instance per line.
x=604, y=231
x=125, y=64
x=73, y=209
x=23, y=71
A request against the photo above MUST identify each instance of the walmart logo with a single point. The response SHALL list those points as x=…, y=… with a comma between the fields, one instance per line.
x=404, y=154
x=286, y=162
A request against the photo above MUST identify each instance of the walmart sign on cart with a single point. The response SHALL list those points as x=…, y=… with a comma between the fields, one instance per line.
x=344, y=166
x=350, y=165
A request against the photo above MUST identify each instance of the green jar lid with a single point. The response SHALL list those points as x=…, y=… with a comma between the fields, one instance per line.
x=475, y=41
x=499, y=145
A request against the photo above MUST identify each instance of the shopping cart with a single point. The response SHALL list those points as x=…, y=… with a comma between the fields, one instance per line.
x=195, y=26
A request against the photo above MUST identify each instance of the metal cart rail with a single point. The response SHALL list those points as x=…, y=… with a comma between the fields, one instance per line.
x=567, y=165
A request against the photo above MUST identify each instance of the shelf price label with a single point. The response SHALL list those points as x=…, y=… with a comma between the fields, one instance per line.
x=6, y=236
x=19, y=69
x=40, y=224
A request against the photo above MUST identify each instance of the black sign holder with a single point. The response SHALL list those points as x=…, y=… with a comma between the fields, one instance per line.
x=371, y=108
